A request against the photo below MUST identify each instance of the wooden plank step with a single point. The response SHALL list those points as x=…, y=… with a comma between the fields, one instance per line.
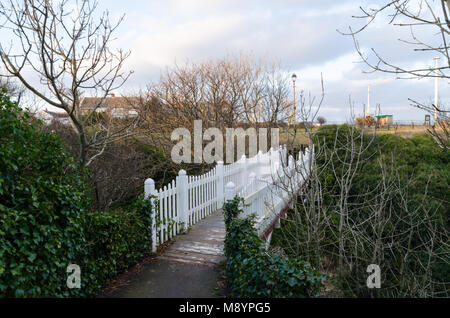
x=197, y=247
x=176, y=255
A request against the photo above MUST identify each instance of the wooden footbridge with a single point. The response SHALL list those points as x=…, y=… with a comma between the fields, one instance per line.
x=266, y=182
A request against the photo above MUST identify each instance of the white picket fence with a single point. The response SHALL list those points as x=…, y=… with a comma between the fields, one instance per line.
x=188, y=199
x=266, y=196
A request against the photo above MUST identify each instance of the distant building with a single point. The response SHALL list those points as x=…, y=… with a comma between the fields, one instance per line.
x=117, y=107
x=48, y=117
x=384, y=120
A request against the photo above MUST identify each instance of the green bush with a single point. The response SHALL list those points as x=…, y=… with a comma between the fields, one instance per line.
x=116, y=240
x=45, y=221
x=251, y=272
x=414, y=209
x=42, y=205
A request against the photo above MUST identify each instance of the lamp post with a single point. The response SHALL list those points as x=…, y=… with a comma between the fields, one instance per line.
x=294, y=78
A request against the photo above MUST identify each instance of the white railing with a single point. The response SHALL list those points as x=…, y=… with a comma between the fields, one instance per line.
x=267, y=196
x=188, y=199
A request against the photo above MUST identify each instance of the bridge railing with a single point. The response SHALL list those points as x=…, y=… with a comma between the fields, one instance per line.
x=266, y=196
x=189, y=199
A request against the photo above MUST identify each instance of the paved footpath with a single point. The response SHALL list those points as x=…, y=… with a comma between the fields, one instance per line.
x=187, y=269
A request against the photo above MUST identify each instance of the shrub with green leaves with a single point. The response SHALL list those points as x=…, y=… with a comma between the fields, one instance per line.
x=374, y=199
x=116, y=240
x=45, y=220
x=252, y=272
x=42, y=203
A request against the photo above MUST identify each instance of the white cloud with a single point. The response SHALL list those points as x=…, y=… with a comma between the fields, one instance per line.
x=301, y=34
x=163, y=44
x=371, y=82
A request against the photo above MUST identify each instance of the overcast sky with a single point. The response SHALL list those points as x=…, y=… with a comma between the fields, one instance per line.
x=300, y=34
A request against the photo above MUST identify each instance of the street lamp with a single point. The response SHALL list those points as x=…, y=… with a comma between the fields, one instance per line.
x=294, y=78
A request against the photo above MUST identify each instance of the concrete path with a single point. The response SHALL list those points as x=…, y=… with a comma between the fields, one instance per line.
x=187, y=269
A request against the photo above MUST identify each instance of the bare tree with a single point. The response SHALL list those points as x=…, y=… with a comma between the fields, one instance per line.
x=345, y=218
x=223, y=93
x=66, y=47
x=321, y=120
x=340, y=230
x=416, y=15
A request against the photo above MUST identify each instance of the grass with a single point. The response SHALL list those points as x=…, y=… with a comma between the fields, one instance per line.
x=406, y=131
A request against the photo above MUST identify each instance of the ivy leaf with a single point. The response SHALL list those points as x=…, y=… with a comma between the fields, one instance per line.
x=292, y=282
x=32, y=257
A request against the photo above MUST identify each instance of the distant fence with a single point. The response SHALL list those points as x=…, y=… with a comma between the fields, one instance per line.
x=409, y=122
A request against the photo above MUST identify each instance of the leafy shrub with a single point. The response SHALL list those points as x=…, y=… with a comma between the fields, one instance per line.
x=115, y=240
x=251, y=272
x=42, y=204
x=45, y=221
x=395, y=213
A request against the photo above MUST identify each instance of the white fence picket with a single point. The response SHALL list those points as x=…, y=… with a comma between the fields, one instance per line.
x=189, y=199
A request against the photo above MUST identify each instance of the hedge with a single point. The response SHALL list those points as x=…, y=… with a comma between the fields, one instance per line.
x=115, y=240
x=45, y=221
x=251, y=272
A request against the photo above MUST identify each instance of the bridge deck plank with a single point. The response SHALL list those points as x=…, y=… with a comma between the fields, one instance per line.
x=203, y=244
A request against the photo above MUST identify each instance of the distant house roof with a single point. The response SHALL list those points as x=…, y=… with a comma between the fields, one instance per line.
x=57, y=114
x=48, y=117
x=113, y=102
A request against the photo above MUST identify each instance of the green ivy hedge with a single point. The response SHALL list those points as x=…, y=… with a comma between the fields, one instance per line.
x=115, y=240
x=41, y=207
x=45, y=222
x=251, y=272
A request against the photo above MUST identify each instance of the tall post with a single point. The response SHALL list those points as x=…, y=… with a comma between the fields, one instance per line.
x=149, y=190
x=182, y=198
x=230, y=191
x=295, y=109
x=220, y=187
x=436, y=92
x=294, y=78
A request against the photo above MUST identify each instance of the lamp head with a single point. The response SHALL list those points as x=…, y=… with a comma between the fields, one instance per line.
x=294, y=77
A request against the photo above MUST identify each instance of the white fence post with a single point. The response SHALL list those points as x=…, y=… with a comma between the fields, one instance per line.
x=271, y=160
x=243, y=171
x=182, y=198
x=291, y=162
x=220, y=187
x=259, y=163
x=250, y=188
x=230, y=191
x=149, y=190
x=280, y=156
x=278, y=223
